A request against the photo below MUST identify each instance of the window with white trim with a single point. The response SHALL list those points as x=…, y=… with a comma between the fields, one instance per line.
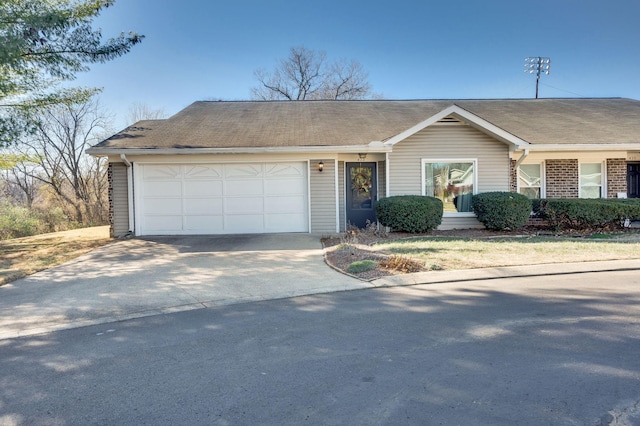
x=591, y=180
x=452, y=181
x=530, y=180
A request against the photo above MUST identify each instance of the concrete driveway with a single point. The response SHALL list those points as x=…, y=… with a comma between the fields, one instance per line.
x=141, y=277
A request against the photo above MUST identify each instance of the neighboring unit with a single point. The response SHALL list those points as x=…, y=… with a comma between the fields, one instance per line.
x=317, y=166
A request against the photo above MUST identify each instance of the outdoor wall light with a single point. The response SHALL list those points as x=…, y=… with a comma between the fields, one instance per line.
x=320, y=166
x=362, y=156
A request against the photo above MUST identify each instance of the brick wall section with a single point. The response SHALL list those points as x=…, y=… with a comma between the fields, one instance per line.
x=110, y=180
x=562, y=178
x=513, y=177
x=616, y=176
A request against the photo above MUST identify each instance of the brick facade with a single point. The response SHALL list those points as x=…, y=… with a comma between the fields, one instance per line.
x=616, y=176
x=562, y=178
x=111, y=212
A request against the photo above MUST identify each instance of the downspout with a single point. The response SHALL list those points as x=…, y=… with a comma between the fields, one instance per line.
x=127, y=163
x=525, y=154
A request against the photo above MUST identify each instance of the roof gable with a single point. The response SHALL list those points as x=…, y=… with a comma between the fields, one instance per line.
x=466, y=116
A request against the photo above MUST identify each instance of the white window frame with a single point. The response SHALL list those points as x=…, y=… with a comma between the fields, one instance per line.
x=603, y=178
x=543, y=179
x=451, y=160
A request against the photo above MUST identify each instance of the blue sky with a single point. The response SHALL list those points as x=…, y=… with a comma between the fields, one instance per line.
x=196, y=49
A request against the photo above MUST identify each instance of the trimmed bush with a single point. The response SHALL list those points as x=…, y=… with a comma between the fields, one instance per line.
x=410, y=213
x=585, y=214
x=502, y=210
x=362, y=266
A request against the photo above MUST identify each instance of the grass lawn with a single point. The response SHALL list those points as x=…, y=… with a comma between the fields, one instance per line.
x=20, y=257
x=444, y=253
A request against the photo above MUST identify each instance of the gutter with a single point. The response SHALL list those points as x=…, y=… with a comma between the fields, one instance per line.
x=585, y=147
x=370, y=148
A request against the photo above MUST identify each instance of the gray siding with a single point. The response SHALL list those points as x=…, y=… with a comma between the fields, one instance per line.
x=382, y=179
x=448, y=142
x=119, y=200
x=341, y=195
x=323, y=197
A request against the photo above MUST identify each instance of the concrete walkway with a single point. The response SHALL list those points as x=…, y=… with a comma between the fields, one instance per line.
x=144, y=277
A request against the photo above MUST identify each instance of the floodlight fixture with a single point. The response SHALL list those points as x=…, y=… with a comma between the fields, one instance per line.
x=537, y=65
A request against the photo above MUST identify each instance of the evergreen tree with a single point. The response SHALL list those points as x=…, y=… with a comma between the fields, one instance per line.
x=43, y=43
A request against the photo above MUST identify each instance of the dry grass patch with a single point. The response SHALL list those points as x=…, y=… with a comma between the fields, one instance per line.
x=20, y=257
x=461, y=253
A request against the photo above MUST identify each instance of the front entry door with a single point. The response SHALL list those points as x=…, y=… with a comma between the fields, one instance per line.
x=633, y=180
x=361, y=190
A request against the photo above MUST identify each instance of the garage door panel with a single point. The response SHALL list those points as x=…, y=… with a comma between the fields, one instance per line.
x=285, y=223
x=244, y=205
x=203, y=188
x=244, y=224
x=163, y=206
x=249, y=171
x=284, y=186
x=243, y=187
x=161, y=171
x=284, y=205
x=163, y=223
x=203, y=206
x=203, y=171
x=283, y=170
x=211, y=223
x=162, y=189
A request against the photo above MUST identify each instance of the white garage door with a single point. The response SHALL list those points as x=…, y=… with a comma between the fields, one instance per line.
x=222, y=198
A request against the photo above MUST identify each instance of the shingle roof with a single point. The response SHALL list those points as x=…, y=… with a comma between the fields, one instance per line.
x=246, y=124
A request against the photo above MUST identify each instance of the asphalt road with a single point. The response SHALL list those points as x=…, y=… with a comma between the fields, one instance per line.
x=562, y=350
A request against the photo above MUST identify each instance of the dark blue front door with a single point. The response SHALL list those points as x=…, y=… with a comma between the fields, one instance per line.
x=361, y=190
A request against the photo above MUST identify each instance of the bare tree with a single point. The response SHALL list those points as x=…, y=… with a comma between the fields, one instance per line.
x=18, y=185
x=78, y=181
x=347, y=80
x=141, y=111
x=306, y=75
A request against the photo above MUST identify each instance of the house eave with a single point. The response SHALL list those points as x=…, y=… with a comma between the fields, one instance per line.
x=374, y=147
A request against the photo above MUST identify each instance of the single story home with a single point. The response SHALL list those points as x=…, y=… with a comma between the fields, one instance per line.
x=318, y=166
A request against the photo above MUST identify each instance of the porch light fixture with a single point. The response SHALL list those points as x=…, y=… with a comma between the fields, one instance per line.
x=536, y=65
x=362, y=156
x=320, y=166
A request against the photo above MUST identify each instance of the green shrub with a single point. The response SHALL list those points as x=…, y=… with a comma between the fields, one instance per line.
x=410, y=213
x=502, y=210
x=362, y=266
x=16, y=222
x=585, y=214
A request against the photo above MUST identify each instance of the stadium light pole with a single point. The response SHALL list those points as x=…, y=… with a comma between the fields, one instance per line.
x=536, y=65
